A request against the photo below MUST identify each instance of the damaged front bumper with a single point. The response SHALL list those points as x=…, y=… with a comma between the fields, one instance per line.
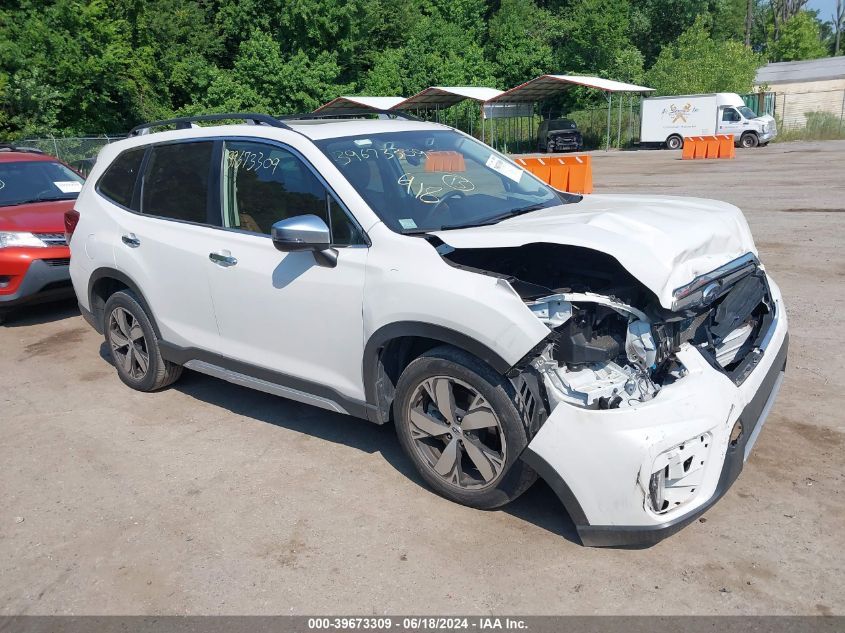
x=633, y=476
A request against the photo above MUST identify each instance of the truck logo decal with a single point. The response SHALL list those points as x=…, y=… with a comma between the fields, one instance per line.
x=680, y=114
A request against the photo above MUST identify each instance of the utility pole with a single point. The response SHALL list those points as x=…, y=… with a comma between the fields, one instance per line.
x=749, y=20
x=838, y=24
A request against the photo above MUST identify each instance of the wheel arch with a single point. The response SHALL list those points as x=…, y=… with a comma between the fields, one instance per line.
x=103, y=283
x=393, y=346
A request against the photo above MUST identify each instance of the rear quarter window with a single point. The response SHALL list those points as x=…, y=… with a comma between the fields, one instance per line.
x=118, y=183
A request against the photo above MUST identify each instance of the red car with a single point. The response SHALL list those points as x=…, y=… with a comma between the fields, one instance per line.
x=35, y=191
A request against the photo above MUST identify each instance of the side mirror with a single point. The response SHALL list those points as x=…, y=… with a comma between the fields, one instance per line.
x=305, y=233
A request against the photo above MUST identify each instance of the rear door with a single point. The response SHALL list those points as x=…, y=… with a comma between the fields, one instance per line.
x=284, y=311
x=164, y=243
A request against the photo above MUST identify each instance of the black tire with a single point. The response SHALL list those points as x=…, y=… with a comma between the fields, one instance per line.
x=674, y=142
x=514, y=476
x=158, y=372
x=749, y=140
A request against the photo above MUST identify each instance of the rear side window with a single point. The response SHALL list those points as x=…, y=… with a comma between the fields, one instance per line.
x=176, y=181
x=118, y=183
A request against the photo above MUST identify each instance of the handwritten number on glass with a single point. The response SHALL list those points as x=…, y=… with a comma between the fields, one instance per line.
x=421, y=192
x=251, y=161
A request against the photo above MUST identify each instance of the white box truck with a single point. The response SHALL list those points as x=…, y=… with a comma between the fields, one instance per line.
x=667, y=121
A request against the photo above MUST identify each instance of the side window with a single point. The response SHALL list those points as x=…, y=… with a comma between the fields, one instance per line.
x=118, y=183
x=176, y=181
x=263, y=184
x=730, y=116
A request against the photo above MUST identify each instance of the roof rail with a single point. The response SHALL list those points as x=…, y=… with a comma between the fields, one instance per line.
x=185, y=122
x=348, y=112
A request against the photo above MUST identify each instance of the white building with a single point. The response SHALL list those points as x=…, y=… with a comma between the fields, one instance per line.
x=803, y=87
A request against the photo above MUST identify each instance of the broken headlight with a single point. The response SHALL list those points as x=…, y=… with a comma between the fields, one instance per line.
x=706, y=288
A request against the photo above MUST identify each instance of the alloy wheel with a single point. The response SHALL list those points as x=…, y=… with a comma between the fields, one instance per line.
x=456, y=432
x=128, y=344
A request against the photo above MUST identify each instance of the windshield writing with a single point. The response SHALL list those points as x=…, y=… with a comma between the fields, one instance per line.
x=427, y=180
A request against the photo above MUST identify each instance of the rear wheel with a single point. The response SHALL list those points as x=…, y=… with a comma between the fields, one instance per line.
x=674, y=142
x=134, y=346
x=457, y=421
x=749, y=140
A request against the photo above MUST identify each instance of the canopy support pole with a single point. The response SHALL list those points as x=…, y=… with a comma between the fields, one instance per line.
x=609, y=109
x=619, y=125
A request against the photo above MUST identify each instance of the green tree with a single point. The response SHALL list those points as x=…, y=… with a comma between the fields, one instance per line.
x=263, y=78
x=799, y=38
x=594, y=38
x=696, y=63
x=519, y=41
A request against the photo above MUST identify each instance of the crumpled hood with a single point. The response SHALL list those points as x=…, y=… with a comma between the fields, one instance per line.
x=664, y=241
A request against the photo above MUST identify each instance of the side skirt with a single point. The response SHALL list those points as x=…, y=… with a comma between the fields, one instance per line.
x=265, y=380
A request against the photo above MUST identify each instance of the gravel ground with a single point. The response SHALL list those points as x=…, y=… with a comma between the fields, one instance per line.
x=209, y=498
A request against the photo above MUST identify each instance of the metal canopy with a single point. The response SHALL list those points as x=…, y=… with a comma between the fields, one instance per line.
x=356, y=103
x=545, y=86
x=445, y=96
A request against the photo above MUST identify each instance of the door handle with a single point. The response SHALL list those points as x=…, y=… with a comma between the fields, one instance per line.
x=223, y=258
x=130, y=240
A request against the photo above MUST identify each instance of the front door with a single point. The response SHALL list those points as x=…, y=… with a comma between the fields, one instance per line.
x=285, y=312
x=730, y=122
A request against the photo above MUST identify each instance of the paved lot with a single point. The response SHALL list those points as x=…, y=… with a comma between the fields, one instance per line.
x=209, y=498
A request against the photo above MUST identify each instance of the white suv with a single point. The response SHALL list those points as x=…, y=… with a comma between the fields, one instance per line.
x=626, y=349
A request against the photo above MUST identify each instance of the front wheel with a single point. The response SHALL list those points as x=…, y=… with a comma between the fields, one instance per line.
x=749, y=140
x=457, y=421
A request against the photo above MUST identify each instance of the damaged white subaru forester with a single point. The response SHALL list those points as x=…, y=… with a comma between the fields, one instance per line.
x=626, y=349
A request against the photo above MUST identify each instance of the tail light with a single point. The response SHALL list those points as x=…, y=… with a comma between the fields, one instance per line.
x=71, y=220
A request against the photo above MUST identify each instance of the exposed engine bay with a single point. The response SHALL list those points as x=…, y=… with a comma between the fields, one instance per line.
x=611, y=344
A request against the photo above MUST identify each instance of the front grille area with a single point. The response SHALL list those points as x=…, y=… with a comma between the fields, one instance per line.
x=57, y=261
x=52, y=239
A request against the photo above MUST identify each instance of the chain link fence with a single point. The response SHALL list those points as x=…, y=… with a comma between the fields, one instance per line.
x=79, y=152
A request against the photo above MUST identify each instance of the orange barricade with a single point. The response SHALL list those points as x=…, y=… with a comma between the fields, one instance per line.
x=700, y=147
x=567, y=173
x=726, y=146
x=580, y=173
x=560, y=176
x=719, y=146
x=712, y=146
x=445, y=161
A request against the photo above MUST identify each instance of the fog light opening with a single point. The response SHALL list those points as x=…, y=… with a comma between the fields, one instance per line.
x=736, y=433
x=656, y=486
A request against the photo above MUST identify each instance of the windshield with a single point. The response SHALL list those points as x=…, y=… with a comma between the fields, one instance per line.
x=436, y=179
x=37, y=181
x=562, y=124
x=747, y=112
